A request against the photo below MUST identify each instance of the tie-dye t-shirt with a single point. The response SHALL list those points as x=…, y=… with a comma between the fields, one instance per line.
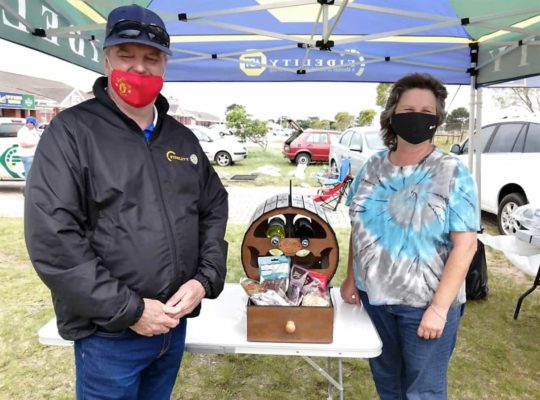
x=401, y=222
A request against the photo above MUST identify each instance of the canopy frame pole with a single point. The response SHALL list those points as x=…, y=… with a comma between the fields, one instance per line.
x=70, y=29
x=336, y=20
x=207, y=56
x=313, y=32
x=238, y=10
x=412, y=14
x=16, y=15
x=399, y=32
x=431, y=65
x=255, y=31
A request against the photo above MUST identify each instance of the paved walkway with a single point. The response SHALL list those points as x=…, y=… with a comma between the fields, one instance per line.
x=242, y=202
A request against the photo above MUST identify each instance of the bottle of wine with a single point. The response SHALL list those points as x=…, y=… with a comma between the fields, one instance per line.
x=303, y=231
x=276, y=229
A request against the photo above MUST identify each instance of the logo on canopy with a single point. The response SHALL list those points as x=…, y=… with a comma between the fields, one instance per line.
x=252, y=64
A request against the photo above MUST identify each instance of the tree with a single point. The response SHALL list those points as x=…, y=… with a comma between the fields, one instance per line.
x=320, y=124
x=232, y=107
x=457, y=119
x=238, y=120
x=365, y=117
x=256, y=131
x=343, y=120
x=526, y=98
x=383, y=91
x=304, y=123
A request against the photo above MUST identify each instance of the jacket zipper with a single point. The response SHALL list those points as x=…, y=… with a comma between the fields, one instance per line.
x=165, y=216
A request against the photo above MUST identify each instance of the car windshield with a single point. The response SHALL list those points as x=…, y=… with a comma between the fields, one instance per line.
x=374, y=140
x=10, y=130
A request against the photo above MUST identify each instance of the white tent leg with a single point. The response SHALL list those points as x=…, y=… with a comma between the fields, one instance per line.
x=472, y=120
x=478, y=166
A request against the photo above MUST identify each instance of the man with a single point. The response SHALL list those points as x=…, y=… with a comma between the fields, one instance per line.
x=125, y=221
x=28, y=138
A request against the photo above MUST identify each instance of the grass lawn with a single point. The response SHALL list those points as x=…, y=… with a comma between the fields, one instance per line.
x=495, y=357
x=273, y=157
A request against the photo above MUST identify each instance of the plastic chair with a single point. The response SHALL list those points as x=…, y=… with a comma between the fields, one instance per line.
x=344, y=170
x=331, y=197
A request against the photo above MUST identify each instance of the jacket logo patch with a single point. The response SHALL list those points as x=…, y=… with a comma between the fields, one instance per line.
x=172, y=156
x=194, y=159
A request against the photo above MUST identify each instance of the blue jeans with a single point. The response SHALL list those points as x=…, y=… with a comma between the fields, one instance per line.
x=27, y=163
x=127, y=365
x=410, y=367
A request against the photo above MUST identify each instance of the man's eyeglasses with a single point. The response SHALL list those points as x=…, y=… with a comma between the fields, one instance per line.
x=132, y=29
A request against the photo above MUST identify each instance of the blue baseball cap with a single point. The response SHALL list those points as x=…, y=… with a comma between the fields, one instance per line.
x=136, y=24
x=32, y=120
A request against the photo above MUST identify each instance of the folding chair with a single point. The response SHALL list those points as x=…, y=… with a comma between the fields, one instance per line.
x=344, y=170
x=331, y=197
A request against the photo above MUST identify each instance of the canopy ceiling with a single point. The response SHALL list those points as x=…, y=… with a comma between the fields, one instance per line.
x=303, y=40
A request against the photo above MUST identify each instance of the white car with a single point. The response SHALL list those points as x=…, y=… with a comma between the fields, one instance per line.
x=510, y=163
x=11, y=167
x=355, y=144
x=224, y=150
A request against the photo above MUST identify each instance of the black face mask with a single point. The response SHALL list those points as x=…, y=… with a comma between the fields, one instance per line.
x=414, y=127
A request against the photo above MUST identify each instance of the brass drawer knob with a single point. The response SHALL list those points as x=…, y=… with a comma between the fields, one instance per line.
x=290, y=327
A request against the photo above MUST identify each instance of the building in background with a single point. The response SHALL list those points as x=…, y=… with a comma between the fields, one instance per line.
x=23, y=96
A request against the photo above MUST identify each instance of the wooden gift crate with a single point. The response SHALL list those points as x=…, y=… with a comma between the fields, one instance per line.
x=281, y=323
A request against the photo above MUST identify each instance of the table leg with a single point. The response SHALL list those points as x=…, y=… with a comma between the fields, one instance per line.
x=527, y=292
x=337, y=384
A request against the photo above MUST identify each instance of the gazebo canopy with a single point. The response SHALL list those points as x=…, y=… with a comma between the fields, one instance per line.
x=303, y=40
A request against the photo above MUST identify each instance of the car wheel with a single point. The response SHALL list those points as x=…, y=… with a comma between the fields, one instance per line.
x=223, y=159
x=506, y=223
x=334, y=167
x=303, y=158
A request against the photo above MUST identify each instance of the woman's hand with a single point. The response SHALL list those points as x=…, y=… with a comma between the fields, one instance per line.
x=432, y=324
x=349, y=292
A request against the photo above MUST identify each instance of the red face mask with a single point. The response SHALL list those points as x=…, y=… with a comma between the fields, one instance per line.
x=135, y=89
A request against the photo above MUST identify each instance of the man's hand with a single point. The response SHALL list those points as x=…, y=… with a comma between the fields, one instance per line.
x=185, y=299
x=154, y=320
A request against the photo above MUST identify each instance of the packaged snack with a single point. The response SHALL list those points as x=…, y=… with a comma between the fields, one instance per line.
x=298, y=277
x=316, y=299
x=251, y=286
x=322, y=279
x=269, y=298
x=274, y=272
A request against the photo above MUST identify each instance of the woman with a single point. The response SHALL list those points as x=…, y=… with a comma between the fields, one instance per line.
x=414, y=215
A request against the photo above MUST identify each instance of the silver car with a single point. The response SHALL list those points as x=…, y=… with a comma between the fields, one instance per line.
x=356, y=144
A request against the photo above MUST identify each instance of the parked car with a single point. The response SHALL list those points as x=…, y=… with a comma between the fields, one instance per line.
x=310, y=145
x=11, y=167
x=224, y=150
x=220, y=130
x=357, y=145
x=510, y=163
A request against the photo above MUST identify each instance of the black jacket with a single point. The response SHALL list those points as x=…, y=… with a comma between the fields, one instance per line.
x=111, y=219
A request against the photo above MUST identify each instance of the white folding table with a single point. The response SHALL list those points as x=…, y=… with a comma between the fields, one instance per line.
x=221, y=328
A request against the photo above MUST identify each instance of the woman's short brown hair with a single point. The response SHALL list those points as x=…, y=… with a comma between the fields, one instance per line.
x=412, y=81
